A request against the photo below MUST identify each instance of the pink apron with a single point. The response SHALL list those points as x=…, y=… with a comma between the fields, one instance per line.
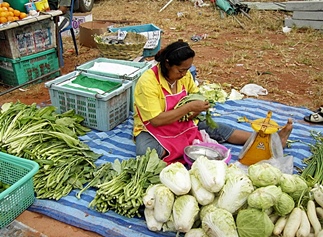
x=176, y=136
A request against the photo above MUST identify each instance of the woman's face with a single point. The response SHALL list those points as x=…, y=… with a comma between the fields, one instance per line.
x=177, y=72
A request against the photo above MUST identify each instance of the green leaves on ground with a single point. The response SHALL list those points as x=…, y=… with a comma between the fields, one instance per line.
x=50, y=139
x=122, y=191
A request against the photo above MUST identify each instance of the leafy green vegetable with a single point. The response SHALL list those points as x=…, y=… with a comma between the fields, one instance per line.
x=284, y=205
x=185, y=212
x=124, y=189
x=264, y=174
x=50, y=139
x=213, y=92
x=207, y=117
x=254, y=223
x=235, y=192
x=219, y=222
x=265, y=197
x=177, y=178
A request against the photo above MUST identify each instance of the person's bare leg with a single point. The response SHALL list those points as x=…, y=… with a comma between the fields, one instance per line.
x=285, y=132
x=239, y=137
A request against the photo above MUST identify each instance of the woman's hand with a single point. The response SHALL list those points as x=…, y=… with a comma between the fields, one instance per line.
x=198, y=106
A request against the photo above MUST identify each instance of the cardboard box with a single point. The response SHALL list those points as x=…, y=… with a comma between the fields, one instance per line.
x=89, y=29
x=78, y=19
x=27, y=39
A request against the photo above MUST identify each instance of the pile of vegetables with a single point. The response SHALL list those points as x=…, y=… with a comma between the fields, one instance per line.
x=122, y=185
x=3, y=186
x=213, y=199
x=52, y=141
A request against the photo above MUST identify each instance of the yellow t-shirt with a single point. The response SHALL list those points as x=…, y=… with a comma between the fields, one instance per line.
x=149, y=96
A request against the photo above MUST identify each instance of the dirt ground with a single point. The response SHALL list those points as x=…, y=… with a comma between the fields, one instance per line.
x=289, y=65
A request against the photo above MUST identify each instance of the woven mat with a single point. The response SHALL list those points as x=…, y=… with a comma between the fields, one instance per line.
x=118, y=144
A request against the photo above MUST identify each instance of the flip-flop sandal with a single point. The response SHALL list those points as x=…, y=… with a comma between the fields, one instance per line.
x=319, y=110
x=315, y=117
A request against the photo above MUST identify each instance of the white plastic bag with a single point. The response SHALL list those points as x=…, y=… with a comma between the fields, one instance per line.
x=253, y=90
x=205, y=138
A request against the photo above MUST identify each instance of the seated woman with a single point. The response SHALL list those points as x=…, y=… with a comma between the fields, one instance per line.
x=156, y=122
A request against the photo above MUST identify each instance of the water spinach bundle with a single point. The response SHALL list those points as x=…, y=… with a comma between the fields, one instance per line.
x=123, y=190
x=51, y=140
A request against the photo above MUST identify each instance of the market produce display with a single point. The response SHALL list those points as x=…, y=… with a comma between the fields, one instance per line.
x=51, y=140
x=9, y=14
x=213, y=199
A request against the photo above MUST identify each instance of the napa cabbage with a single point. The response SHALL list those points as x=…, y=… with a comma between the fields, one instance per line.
x=202, y=195
x=185, y=212
x=164, y=200
x=235, y=192
x=219, y=222
x=211, y=173
x=176, y=177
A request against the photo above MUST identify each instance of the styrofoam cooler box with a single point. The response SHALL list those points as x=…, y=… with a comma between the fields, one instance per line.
x=153, y=34
x=27, y=39
x=115, y=68
x=101, y=110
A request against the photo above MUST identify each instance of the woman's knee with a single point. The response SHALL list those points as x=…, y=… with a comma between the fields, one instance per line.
x=145, y=140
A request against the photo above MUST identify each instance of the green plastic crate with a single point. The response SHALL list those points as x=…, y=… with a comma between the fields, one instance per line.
x=18, y=71
x=18, y=173
x=139, y=69
x=101, y=111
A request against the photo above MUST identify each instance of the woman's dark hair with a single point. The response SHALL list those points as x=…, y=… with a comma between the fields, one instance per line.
x=174, y=54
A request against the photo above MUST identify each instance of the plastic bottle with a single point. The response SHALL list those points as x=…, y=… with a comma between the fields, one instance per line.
x=18, y=4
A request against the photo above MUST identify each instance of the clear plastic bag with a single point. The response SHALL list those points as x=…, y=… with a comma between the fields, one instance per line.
x=277, y=159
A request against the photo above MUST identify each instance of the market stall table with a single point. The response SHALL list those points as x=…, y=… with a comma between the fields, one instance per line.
x=19, y=48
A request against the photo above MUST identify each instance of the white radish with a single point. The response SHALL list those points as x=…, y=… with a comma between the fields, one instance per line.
x=293, y=223
x=320, y=234
x=319, y=212
x=311, y=214
x=318, y=194
x=279, y=225
x=305, y=227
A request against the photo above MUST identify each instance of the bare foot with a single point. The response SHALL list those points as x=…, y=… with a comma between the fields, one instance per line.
x=285, y=132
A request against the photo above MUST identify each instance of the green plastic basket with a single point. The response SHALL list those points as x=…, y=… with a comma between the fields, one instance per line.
x=18, y=71
x=18, y=173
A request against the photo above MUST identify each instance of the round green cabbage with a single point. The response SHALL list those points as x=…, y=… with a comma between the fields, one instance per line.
x=284, y=205
x=301, y=187
x=264, y=197
x=288, y=183
x=264, y=174
x=254, y=223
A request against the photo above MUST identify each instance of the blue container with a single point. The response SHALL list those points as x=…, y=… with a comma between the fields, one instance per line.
x=140, y=29
x=193, y=71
